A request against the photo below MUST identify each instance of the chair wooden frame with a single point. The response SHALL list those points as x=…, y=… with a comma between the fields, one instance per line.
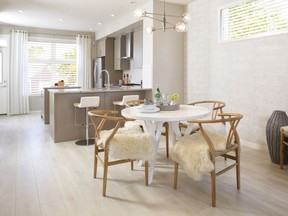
x=132, y=103
x=217, y=108
x=232, y=145
x=283, y=144
x=99, y=119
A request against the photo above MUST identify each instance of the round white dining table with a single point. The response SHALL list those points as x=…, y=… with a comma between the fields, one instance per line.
x=153, y=123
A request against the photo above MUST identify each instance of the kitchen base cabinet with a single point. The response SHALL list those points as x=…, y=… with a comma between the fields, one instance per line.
x=62, y=112
x=45, y=104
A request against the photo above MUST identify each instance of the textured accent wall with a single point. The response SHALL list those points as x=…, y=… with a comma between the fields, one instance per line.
x=251, y=76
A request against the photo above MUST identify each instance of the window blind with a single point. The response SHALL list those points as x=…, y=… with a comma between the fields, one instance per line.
x=1, y=67
x=49, y=62
x=254, y=18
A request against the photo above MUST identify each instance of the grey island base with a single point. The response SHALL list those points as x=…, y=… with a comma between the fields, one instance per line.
x=62, y=111
x=45, y=107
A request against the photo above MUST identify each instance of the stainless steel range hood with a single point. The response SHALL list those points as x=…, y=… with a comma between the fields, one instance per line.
x=127, y=46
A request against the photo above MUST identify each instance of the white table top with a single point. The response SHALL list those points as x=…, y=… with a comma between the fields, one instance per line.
x=153, y=123
x=184, y=113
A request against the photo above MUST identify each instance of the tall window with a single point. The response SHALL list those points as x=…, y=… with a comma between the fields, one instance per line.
x=1, y=67
x=254, y=18
x=49, y=62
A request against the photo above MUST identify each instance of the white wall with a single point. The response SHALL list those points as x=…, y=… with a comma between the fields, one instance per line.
x=251, y=76
x=147, y=69
x=168, y=53
x=163, y=52
x=122, y=22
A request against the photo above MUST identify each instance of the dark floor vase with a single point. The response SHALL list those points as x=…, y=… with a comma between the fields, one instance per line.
x=276, y=120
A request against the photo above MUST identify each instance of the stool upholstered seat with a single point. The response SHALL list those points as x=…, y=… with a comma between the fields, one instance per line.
x=125, y=99
x=86, y=102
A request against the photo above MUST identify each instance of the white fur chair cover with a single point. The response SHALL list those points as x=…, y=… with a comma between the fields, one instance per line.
x=129, y=143
x=192, y=153
x=134, y=123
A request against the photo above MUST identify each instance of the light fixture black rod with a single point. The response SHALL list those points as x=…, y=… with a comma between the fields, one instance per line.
x=154, y=18
x=154, y=14
x=159, y=20
x=164, y=9
x=157, y=14
x=173, y=15
x=162, y=28
x=164, y=18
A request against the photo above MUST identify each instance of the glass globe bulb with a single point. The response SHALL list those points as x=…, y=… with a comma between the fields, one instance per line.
x=149, y=30
x=181, y=27
x=186, y=17
x=139, y=14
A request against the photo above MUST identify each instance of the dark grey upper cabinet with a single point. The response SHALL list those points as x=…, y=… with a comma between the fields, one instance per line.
x=105, y=47
x=101, y=48
x=137, y=50
x=120, y=63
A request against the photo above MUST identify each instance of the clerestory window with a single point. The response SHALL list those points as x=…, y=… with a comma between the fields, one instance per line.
x=254, y=18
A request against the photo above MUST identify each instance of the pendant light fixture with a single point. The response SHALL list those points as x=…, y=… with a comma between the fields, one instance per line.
x=180, y=26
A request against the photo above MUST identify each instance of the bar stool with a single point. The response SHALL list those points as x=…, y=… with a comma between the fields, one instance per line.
x=283, y=144
x=125, y=99
x=86, y=102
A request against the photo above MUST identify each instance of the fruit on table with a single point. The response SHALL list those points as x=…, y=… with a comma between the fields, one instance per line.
x=59, y=83
x=175, y=97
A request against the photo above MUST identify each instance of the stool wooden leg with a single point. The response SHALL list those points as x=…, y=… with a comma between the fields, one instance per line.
x=95, y=160
x=175, y=175
x=146, y=172
x=213, y=187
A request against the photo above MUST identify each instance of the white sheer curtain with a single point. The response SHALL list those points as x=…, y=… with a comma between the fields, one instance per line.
x=84, y=74
x=18, y=79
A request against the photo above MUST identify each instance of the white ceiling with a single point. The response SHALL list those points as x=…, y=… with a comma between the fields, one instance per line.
x=77, y=15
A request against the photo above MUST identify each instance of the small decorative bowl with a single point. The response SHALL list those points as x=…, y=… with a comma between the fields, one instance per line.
x=147, y=107
x=169, y=107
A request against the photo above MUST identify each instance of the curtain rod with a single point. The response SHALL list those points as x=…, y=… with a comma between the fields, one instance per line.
x=58, y=34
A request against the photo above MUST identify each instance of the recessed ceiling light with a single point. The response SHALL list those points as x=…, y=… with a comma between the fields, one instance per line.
x=60, y=19
x=99, y=23
x=91, y=29
x=20, y=11
x=113, y=15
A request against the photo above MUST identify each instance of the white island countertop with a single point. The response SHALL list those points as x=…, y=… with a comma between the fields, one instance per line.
x=93, y=90
x=62, y=87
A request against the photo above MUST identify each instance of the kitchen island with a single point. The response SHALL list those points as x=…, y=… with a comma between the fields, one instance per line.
x=45, y=100
x=62, y=111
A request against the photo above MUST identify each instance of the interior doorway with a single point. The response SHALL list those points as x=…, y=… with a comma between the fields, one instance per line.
x=3, y=80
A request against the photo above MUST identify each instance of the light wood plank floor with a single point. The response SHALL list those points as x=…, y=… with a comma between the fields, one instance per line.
x=40, y=177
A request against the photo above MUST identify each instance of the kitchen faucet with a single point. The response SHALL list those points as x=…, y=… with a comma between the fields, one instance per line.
x=108, y=77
